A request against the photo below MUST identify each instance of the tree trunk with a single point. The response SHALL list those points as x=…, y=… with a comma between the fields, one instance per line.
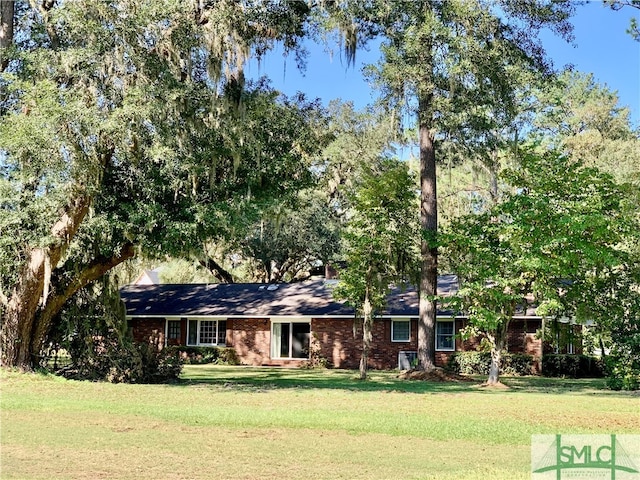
x=427, y=288
x=428, y=248
x=7, y=9
x=19, y=313
x=498, y=345
x=367, y=336
x=601, y=345
x=496, y=364
x=96, y=269
x=217, y=270
x=19, y=322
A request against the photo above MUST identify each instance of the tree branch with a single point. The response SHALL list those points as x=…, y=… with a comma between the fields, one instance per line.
x=91, y=272
x=7, y=10
x=217, y=270
x=43, y=9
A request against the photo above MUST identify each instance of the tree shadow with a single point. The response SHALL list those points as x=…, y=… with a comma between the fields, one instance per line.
x=261, y=379
x=273, y=378
x=535, y=384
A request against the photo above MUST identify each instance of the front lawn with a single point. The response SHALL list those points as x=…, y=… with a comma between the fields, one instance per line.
x=254, y=423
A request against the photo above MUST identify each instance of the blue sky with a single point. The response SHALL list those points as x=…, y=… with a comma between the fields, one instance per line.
x=601, y=46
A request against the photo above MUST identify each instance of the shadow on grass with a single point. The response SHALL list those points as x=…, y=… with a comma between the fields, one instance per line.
x=270, y=378
x=560, y=385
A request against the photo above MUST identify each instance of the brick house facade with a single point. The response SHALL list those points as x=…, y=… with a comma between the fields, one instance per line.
x=285, y=325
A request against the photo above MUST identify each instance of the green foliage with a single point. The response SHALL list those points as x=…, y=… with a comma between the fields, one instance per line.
x=380, y=238
x=183, y=271
x=583, y=119
x=380, y=241
x=479, y=363
x=623, y=361
x=92, y=328
x=354, y=138
x=455, y=67
x=200, y=355
x=290, y=239
x=572, y=366
x=558, y=335
x=623, y=373
x=116, y=360
x=564, y=229
x=127, y=126
x=158, y=366
x=458, y=65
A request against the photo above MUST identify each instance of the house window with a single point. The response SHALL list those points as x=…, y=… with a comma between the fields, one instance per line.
x=290, y=340
x=444, y=335
x=222, y=332
x=173, y=329
x=400, y=330
x=206, y=332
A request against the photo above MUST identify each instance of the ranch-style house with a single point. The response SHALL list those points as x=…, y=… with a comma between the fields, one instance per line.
x=281, y=324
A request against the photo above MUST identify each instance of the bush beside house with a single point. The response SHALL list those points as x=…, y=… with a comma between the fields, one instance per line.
x=572, y=366
x=478, y=363
x=200, y=355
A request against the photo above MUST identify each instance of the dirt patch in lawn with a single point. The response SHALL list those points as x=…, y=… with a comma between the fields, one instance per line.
x=497, y=386
x=435, y=375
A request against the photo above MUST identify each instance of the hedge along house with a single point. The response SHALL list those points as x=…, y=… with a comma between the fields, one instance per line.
x=285, y=324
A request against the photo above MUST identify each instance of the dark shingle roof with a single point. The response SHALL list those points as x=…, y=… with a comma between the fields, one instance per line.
x=312, y=298
x=308, y=299
x=241, y=299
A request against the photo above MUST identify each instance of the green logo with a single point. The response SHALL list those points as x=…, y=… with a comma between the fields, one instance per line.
x=585, y=456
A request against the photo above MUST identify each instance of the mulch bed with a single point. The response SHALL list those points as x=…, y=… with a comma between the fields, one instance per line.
x=435, y=375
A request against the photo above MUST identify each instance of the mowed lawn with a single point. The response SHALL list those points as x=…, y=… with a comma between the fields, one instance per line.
x=259, y=423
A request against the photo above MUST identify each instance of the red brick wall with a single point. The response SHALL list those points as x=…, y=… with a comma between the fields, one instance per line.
x=251, y=339
x=521, y=337
x=343, y=349
x=336, y=340
x=148, y=329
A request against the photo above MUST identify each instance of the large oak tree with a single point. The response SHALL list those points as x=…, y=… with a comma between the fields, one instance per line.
x=126, y=126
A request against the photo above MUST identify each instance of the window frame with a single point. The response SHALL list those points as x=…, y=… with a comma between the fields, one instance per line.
x=438, y=335
x=174, y=321
x=403, y=320
x=215, y=335
x=272, y=344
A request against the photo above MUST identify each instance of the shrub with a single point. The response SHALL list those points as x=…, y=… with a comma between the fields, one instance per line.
x=200, y=355
x=93, y=330
x=228, y=356
x=469, y=363
x=517, y=364
x=572, y=366
x=623, y=361
x=478, y=363
x=158, y=366
x=316, y=359
x=622, y=374
x=123, y=362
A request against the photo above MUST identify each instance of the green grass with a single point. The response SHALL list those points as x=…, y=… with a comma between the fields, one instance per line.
x=253, y=423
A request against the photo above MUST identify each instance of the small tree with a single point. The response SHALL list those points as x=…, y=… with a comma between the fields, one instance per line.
x=380, y=242
x=564, y=230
